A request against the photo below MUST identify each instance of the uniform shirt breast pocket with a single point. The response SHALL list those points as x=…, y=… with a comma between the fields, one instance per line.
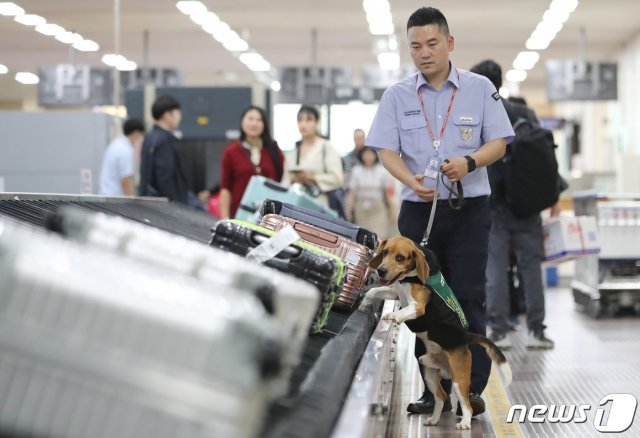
x=411, y=133
x=468, y=129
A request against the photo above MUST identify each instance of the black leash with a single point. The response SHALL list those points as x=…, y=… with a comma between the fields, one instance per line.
x=458, y=192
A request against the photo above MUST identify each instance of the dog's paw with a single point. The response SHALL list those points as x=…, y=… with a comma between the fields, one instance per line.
x=463, y=426
x=431, y=421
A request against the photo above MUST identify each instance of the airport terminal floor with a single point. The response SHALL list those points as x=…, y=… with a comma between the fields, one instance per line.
x=591, y=359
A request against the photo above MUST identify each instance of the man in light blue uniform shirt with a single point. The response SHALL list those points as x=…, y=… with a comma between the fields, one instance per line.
x=444, y=113
x=116, y=176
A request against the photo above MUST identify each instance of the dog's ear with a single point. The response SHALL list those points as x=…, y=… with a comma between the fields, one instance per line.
x=422, y=268
x=377, y=258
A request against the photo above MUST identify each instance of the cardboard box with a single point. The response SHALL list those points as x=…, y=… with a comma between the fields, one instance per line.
x=567, y=238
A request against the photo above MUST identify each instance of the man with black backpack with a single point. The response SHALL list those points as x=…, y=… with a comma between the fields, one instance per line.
x=523, y=183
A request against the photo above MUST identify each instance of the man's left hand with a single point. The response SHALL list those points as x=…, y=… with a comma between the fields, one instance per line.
x=455, y=169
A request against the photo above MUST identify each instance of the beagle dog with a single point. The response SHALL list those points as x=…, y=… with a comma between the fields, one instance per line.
x=429, y=309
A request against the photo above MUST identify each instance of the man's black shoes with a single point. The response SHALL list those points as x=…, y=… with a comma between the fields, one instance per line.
x=425, y=405
x=477, y=405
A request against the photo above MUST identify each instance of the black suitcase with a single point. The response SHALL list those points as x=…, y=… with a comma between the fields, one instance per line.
x=320, y=268
x=336, y=226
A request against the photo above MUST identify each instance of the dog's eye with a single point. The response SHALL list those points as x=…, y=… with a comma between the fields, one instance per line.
x=385, y=252
x=400, y=258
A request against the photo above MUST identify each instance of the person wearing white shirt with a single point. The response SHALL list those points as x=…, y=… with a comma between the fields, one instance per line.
x=116, y=177
x=368, y=204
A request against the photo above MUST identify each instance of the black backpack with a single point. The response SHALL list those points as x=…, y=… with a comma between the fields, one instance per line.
x=531, y=179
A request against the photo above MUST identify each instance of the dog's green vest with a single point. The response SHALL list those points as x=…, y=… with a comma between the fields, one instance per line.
x=440, y=286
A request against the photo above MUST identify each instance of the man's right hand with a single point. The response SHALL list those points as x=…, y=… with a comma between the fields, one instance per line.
x=396, y=167
x=423, y=193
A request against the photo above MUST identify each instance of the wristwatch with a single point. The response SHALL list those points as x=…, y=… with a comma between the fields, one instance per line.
x=471, y=163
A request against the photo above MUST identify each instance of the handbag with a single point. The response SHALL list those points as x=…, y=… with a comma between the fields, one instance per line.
x=337, y=197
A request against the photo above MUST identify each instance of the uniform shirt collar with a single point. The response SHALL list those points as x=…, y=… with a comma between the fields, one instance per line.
x=453, y=78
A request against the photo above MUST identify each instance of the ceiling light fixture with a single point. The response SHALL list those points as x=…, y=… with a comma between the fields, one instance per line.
x=111, y=59
x=548, y=28
x=191, y=7
x=3, y=69
x=389, y=60
x=230, y=40
x=27, y=78
x=201, y=18
x=86, y=46
x=379, y=17
x=381, y=24
x=504, y=92
x=552, y=22
x=127, y=66
x=216, y=28
x=276, y=86
x=381, y=28
x=9, y=9
x=393, y=43
x=75, y=39
x=69, y=37
x=238, y=45
x=526, y=60
x=516, y=75
x=119, y=62
x=537, y=44
x=564, y=5
x=50, y=29
x=255, y=61
x=555, y=16
x=30, y=19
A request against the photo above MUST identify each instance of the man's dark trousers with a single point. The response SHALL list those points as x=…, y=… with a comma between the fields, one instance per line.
x=460, y=240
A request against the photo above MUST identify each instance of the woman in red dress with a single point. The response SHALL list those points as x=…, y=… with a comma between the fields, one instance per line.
x=255, y=153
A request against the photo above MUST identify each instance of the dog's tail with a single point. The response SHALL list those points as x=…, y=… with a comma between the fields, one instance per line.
x=494, y=353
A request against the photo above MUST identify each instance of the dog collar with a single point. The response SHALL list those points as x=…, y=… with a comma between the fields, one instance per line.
x=414, y=280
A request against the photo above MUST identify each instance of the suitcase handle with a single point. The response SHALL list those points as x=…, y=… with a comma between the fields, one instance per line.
x=315, y=235
x=275, y=186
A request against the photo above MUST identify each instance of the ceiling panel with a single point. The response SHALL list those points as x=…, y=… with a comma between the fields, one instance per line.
x=281, y=31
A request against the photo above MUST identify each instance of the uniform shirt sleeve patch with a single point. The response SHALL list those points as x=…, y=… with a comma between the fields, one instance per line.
x=496, y=96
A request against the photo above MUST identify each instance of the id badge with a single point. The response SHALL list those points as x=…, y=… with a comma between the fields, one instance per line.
x=433, y=168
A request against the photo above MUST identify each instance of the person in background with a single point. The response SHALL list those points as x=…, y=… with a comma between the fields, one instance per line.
x=116, y=176
x=510, y=233
x=352, y=159
x=367, y=196
x=160, y=171
x=524, y=108
x=441, y=113
x=255, y=153
x=315, y=164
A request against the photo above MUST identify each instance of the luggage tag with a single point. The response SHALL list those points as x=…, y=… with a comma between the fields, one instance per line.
x=274, y=245
x=433, y=168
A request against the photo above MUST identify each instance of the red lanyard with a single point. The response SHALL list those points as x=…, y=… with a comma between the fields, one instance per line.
x=436, y=141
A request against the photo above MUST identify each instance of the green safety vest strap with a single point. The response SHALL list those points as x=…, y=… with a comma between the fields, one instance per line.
x=439, y=284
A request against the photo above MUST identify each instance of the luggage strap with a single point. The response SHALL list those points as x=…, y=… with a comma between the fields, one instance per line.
x=274, y=245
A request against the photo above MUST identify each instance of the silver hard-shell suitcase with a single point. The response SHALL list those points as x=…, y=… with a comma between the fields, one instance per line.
x=92, y=345
x=292, y=302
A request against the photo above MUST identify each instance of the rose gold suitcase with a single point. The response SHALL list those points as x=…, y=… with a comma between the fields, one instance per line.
x=355, y=255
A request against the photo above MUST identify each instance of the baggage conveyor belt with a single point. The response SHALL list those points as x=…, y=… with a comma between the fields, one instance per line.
x=320, y=383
